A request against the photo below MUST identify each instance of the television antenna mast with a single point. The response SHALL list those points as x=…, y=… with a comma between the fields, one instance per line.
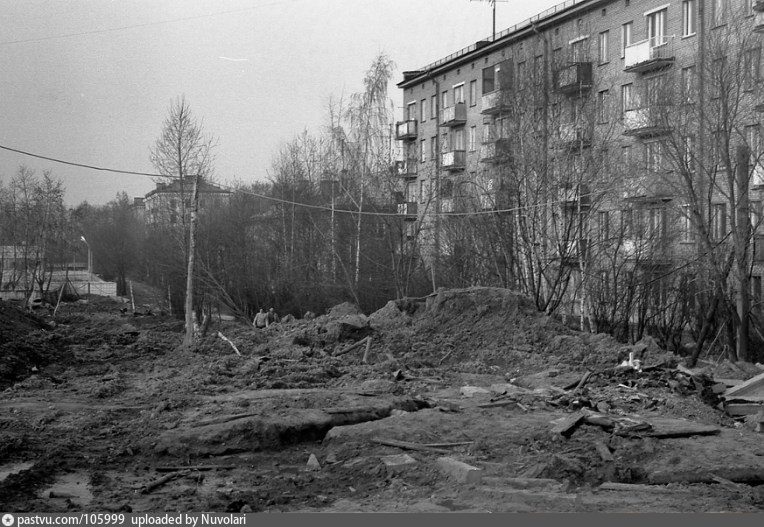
x=493, y=5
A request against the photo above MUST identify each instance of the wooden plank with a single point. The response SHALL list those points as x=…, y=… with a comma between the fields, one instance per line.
x=634, y=488
x=665, y=427
x=567, y=425
x=405, y=445
x=737, y=409
x=753, y=386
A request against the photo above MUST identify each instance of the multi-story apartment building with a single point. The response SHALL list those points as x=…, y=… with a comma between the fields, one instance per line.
x=606, y=131
x=167, y=203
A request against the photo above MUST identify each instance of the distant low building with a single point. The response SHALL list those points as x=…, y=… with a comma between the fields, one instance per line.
x=168, y=201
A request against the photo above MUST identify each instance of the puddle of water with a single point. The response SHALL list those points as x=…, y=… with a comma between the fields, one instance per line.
x=72, y=486
x=14, y=468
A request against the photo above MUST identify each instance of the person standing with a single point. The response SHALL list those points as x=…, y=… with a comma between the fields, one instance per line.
x=261, y=319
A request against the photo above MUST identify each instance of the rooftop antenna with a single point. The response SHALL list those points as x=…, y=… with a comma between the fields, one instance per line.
x=493, y=5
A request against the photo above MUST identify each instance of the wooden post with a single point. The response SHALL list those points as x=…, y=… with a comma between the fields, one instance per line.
x=188, y=339
x=742, y=239
x=132, y=298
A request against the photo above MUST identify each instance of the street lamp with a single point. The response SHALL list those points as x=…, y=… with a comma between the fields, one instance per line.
x=90, y=261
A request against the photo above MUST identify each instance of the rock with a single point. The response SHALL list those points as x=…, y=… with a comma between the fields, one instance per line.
x=508, y=389
x=313, y=463
x=471, y=391
x=461, y=472
x=246, y=509
x=344, y=309
x=398, y=462
x=389, y=315
x=398, y=413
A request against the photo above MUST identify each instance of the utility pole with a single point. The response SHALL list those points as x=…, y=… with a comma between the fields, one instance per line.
x=188, y=338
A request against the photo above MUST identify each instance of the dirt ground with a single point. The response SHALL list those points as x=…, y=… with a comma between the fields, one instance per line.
x=103, y=410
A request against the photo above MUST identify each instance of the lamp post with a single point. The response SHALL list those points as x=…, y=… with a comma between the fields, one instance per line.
x=90, y=261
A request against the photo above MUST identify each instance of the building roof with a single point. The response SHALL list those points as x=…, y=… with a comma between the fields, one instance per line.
x=175, y=188
x=488, y=44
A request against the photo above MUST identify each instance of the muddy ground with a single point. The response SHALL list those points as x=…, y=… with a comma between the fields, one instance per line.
x=102, y=410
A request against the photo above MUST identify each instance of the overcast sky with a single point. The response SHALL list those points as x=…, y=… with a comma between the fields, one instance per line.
x=91, y=81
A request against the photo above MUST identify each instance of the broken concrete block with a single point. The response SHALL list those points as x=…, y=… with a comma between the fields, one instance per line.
x=461, y=472
x=471, y=391
x=508, y=389
x=313, y=463
x=398, y=462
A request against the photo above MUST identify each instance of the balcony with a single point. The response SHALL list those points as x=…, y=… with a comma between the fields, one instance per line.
x=651, y=188
x=647, y=251
x=493, y=103
x=574, y=79
x=455, y=115
x=406, y=169
x=408, y=210
x=571, y=252
x=650, y=121
x=498, y=151
x=454, y=160
x=648, y=55
x=574, y=136
x=758, y=18
x=573, y=196
x=405, y=130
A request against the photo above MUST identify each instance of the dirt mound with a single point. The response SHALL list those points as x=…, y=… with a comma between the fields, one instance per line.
x=483, y=329
x=344, y=309
x=24, y=345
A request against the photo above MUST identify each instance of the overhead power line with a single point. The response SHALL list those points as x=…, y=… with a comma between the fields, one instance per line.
x=297, y=203
x=135, y=26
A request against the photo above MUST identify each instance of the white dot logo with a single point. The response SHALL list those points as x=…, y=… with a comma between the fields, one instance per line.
x=8, y=520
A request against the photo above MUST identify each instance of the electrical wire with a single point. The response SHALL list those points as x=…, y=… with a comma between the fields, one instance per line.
x=135, y=26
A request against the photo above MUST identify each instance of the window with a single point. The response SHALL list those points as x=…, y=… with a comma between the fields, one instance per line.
x=444, y=100
x=688, y=18
x=718, y=221
x=626, y=223
x=686, y=224
x=603, y=225
x=756, y=210
x=656, y=224
x=473, y=92
x=472, y=138
x=458, y=139
x=538, y=70
x=719, y=77
x=719, y=11
x=751, y=60
x=489, y=79
x=578, y=50
x=521, y=78
x=411, y=111
x=433, y=146
x=602, y=105
x=434, y=107
x=653, y=156
x=444, y=146
x=626, y=37
x=421, y=191
x=689, y=153
x=627, y=98
x=753, y=138
x=603, y=47
x=656, y=91
x=756, y=293
x=656, y=27
x=458, y=94
x=422, y=151
x=719, y=149
x=688, y=84
x=423, y=111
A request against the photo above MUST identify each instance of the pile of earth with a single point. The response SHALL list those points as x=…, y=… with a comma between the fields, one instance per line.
x=25, y=345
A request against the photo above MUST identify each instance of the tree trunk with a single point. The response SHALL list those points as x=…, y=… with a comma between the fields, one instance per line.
x=188, y=339
x=742, y=240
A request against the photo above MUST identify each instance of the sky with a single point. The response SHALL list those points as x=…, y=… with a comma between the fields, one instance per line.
x=91, y=81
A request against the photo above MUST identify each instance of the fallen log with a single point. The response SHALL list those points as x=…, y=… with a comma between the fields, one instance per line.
x=405, y=445
x=352, y=347
x=633, y=488
x=750, y=475
x=368, y=349
x=229, y=342
x=161, y=481
x=196, y=468
x=567, y=425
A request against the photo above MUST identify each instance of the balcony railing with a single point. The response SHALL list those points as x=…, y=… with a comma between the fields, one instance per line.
x=454, y=115
x=576, y=78
x=645, y=122
x=408, y=209
x=647, y=250
x=406, y=168
x=647, y=55
x=454, y=160
x=405, y=130
x=652, y=187
x=496, y=151
x=493, y=103
x=575, y=135
x=573, y=195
